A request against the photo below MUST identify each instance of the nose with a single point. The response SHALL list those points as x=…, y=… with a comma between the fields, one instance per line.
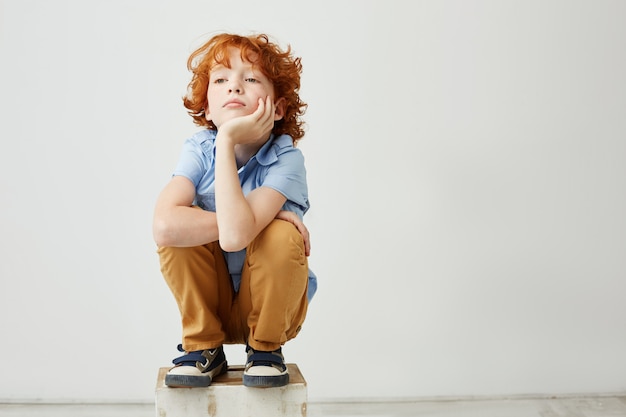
x=235, y=87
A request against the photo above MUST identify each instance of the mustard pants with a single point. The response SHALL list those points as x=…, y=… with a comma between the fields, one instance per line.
x=270, y=306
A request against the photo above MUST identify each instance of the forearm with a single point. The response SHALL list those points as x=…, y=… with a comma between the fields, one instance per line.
x=182, y=226
x=235, y=219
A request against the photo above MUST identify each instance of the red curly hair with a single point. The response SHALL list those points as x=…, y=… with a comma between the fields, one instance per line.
x=279, y=66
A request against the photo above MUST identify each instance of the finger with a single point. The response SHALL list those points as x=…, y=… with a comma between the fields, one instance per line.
x=307, y=246
x=299, y=225
x=269, y=108
x=305, y=235
x=267, y=118
x=260, y=110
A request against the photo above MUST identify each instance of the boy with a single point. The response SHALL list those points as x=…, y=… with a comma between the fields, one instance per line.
x=231, y=242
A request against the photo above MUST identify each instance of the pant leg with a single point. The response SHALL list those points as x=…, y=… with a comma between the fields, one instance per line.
x=199, y=280
x=273, y=293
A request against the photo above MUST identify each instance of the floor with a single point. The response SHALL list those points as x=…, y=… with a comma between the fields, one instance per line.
x=563, y=407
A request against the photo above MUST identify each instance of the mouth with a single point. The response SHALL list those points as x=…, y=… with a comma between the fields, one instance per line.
x=234, y=103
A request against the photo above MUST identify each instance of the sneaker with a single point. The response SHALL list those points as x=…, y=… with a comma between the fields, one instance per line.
x=265, y=369
x=197, y=368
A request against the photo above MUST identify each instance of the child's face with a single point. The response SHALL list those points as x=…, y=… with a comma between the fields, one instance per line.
x=235, y=91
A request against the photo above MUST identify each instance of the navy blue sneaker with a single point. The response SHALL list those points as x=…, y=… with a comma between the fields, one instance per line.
x=197, y=368
x=265, y=369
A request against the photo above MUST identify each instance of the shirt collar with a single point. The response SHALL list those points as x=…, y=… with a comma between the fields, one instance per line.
x=268, y=153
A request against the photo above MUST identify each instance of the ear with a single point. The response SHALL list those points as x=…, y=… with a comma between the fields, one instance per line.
x=281, y=105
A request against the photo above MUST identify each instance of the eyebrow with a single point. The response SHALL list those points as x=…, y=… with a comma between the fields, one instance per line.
x=257, y=72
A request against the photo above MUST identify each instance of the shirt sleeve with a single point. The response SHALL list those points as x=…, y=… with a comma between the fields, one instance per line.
x=195, y=158
x=288, y=176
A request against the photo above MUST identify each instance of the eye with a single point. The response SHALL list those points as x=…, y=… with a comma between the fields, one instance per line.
x=219, y=81
x=251, y=80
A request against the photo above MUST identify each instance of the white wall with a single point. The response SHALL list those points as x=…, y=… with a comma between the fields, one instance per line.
x=466, y=163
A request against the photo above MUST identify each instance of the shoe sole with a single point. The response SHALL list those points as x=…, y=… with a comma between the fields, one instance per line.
x=195, y=381
x=258, y=381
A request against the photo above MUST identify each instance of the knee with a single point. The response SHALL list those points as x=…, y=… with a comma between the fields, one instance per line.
x=280, y=231
x=169, y=253
x=166, y=252
x=171, y=256
x=280, y=240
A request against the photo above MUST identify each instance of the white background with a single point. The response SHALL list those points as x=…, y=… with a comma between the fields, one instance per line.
x=466, y=163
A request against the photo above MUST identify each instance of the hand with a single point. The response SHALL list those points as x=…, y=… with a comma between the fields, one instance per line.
x=293, y=218
x=253, y=127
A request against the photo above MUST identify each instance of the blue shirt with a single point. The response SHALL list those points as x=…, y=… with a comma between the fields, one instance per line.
x=277, y=165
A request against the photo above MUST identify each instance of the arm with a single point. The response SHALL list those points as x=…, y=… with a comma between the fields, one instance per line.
x=176, y=223
x=241, y=218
